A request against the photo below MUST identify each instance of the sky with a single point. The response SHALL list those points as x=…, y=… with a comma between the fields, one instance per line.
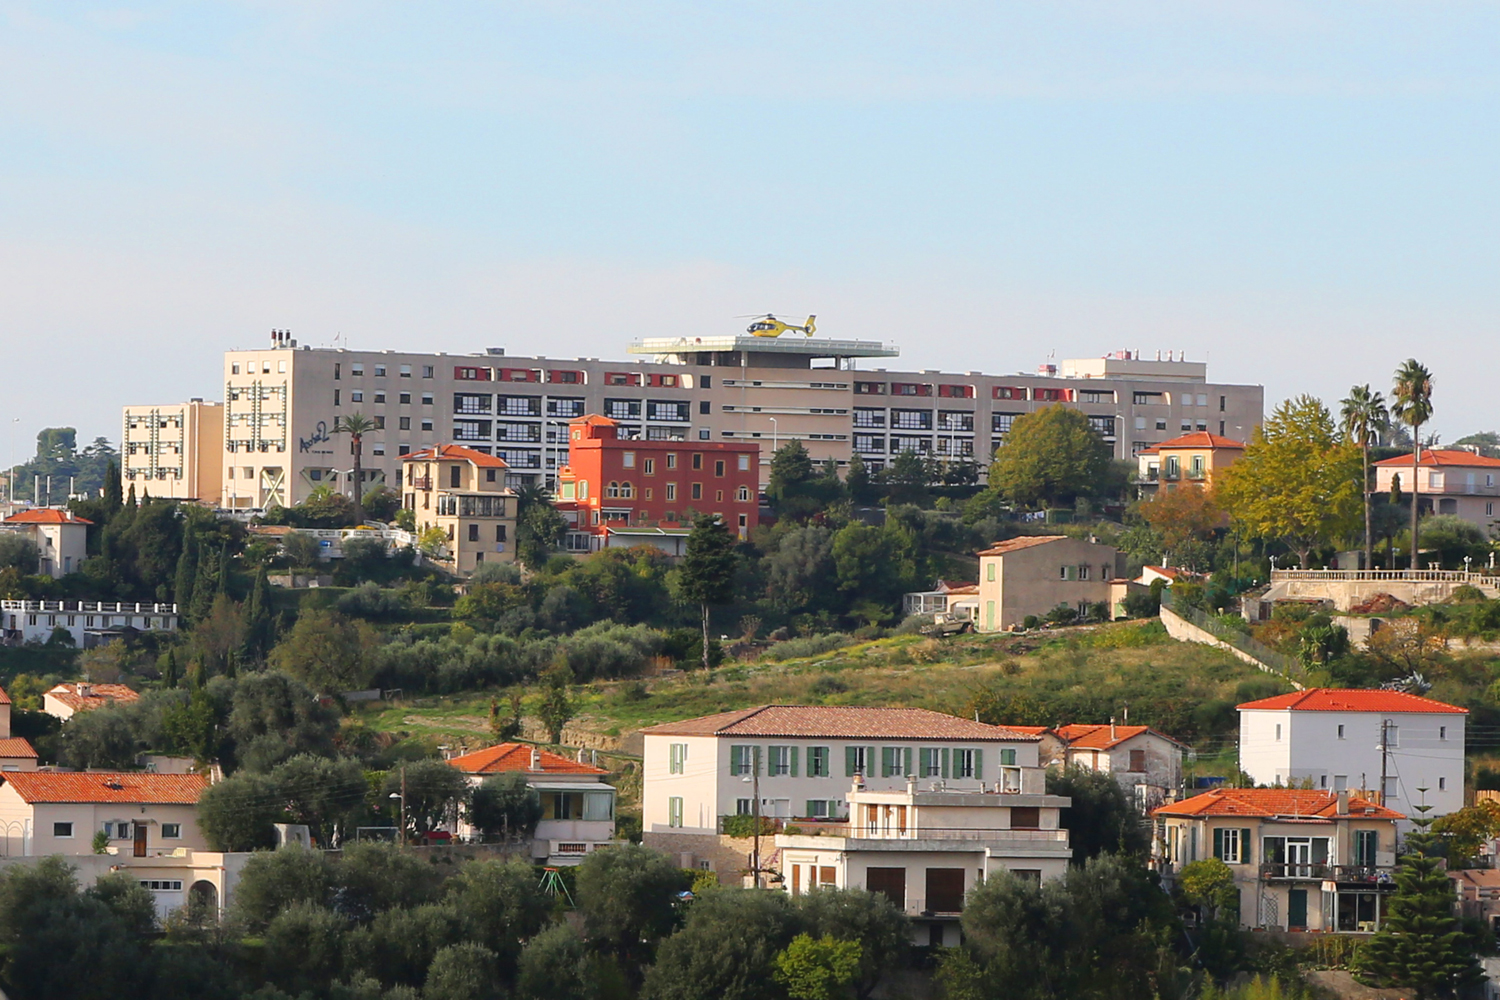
x=1302, y=194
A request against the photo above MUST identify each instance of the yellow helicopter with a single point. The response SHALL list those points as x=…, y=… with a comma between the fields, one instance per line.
x=770, y=326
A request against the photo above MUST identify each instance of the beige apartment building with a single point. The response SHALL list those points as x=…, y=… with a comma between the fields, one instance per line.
x=283, y=403
x=1033, y=574
x=174, y=450
x=1449, y=481
x=462, y=492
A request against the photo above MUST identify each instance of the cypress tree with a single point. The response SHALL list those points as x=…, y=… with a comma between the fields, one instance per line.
x=258, y=622
x=187, y=572
x=206, y=586
x=169, y=675
x=706, y=576
x=112, y=493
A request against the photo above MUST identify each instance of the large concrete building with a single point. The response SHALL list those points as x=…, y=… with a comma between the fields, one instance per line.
x=283, y=403
x=174, y=450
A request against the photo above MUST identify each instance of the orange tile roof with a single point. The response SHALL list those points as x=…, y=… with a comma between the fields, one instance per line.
x=4, y=698
x=46, y=515
x=456, y=451
x=1096, y=736
x=517, y=757
x=1273, y=802
x=1030, y=730
x=15, y=746
x=846, y=722
x=99, y=695
x=1201, y=439
x=1023, y=542
x=1441, y=456
x=129, y=788
x=595, y=420
x=1353, y=700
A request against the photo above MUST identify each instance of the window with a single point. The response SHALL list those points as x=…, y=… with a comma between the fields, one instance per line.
x=1025, y=818
x=62, y=830
x=719, y=468
x=355, y=395
x=676, y=758
x=1341, y=732
x=743, y=496
x=705, y=406
x=426, y=399
x=674, y=811
x=697, y=491
x=698, y=460
x=426, y=426
x=742, y=759
x=1442, y=784
x=671, y=491
x=171, y=831
x=1278, y=730
x=781, y=760
x=627, y=459
x=357, y=370
x=744, y=463
x=380, y=371
x=818, y=809
x=1230, y=845
x=672, y=460
x=427, y=371
x=856, y=761
x=404, y=423
x=1083, y=571
x=406, y=371
x=817, y=762
x=1442, y=732
x=965, y=764
x=1137, y=761
x=648, y=466
x=473, y=532
x=989, y=572
x=405, y=398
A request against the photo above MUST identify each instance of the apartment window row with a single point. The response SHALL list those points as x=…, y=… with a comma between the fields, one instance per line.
x=1084, y=571
x=886, y=761
x=257, y=367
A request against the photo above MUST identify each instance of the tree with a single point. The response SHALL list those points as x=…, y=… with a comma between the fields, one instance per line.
x=1487, y=442
x=374, y=877
x=382, y=502
x=1209, y=883
x=304, y=948
x=464, y=971
x=1365, y=418
x=557, y=965
x=818, y=968
x=1412, y=405
x=236, y=814
x=727, y=948
x=789, y=488
x=800, y=573
x=271, y=881
x=1296, y=482
x=505, y=804
x=539, y=527
x=706, y=576
x=1101, y=819
x=260, y=625
x=300, y=550
x=555, y=709
x=1050, y=457
x=501, y=902
x=273, y=716
x=1182, y=516
x=1419, y=945
x=356, y=425
x=869, y=919
x=906, y=479
x=321, y=793
x=857, y=481
x=627, y=896
x=434, y=789
x=102, y=738
x=20, y=552
x=1463, y=832
x=327, y=650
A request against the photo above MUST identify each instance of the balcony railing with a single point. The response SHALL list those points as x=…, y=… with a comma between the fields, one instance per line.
x=1419, y=575
x=1322, y=872
x=421, y=483
x=863, y=831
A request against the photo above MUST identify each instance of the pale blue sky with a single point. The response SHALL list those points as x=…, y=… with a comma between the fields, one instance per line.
x=1303, y=193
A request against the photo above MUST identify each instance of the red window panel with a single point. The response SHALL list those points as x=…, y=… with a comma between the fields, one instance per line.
x=911, y=389
x=472, y=374
x=869, y=388
x=956, y=391
x=622, y=378
x=1054, y=395
x=1010, y=392
x=662, y=381
x=565, y=377
x=520, y=375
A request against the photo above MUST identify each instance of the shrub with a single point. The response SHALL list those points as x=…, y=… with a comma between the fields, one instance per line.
x=811, y=645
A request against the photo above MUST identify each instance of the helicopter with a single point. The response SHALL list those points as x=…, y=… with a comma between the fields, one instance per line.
x=770, y=326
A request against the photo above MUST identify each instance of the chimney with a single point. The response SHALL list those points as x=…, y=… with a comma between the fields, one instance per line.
x=580, y=755
x=536, y=759
x=1342, y=795
x=1111, y=727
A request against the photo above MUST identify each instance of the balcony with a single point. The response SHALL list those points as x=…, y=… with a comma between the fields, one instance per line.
x=863, y=831
x=1371, y=875
x=421, y=483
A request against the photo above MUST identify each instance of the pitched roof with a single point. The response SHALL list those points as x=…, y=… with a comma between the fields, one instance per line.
x=1353, y=700
x=456, y=451
x=517, y=757
x=846, y=722
x=1201, y=439
x=1096, y=736
x=1030, y=730
x=1273, y=802
x=46, y=515
x=132, y=788
x=1441, y=456
x=99, y=695
x=15, y=746
x=1022, y=542
x=4, y=698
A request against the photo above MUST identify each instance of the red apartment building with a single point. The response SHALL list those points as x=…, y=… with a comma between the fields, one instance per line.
x=637, y=489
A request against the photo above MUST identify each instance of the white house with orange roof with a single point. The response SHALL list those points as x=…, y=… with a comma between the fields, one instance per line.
x=578, y=805
x=1146, y=764
x=1302, y=860
x=1032, y=574
x=61, y=538
x=44, y=812
x=800, y=761
x=71, y=697
x=1191, y=459
x=1350, y=739
x=1448, y=481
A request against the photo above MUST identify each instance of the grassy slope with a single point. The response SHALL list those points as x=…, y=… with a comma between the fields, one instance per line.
x=1077, y=675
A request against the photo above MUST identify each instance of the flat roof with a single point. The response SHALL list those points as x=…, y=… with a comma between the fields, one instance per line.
x=808, y=347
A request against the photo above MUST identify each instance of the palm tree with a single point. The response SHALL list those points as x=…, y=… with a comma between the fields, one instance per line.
x=356, y=425
x=1412, y=394
x=1365, y=418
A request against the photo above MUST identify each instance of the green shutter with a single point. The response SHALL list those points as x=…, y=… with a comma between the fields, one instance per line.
x=870, y=760
x=807, y=812
x=1245, y=858
x=794, y=762
x=924, y=760
x=849, y=762
x=906, y=755
x=1219, y=844
x=755, y=760
x=1008, y=758
x=736, y=759
x=946, y=758
x=978, y=764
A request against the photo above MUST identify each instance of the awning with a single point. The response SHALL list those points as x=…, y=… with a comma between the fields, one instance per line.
x=571, y=786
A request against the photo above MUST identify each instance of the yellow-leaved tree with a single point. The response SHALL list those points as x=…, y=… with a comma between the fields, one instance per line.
x=1299, y=481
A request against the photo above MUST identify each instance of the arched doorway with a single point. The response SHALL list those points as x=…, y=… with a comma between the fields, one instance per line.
x=203, y=900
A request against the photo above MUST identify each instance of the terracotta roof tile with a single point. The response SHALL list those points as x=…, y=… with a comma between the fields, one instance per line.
x=15, y=746
x=1201, y=439
x=456, y=451
x=1353, y=700
x=99, y=695
x=46, y=515
x=1023, y=542
x=838, y=722
x=4, y=698
x=1272, y=802
x=1096, y=736
x=131, y=788
x=517, y=757
x=1441, y=456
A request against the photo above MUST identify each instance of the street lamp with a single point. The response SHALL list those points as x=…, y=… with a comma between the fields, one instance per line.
x=401, y=796
x=754, y=781
x=775, y=436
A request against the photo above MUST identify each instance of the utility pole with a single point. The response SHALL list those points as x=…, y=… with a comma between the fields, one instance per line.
x=403, y=803
x=755, y=811
x=1384, y=754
